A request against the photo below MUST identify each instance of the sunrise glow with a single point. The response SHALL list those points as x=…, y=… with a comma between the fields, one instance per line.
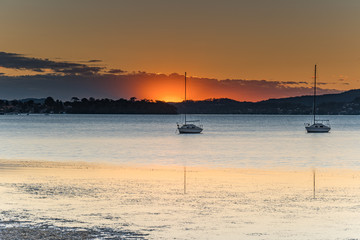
x=171, y=99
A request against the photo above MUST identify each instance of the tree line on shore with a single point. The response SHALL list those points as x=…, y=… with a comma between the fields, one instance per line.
x=87, y=106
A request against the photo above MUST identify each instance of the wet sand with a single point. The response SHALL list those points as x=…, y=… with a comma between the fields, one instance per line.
x=74, y=200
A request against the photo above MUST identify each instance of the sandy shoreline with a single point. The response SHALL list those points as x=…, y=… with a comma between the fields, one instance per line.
x=75, y=200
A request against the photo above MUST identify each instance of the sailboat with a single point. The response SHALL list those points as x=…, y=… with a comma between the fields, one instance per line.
x=189, y=126
x=319, y=126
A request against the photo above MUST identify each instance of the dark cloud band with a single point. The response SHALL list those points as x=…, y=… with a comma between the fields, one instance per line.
x=21, y=62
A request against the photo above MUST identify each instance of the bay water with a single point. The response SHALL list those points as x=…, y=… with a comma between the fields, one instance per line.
x=231, y=141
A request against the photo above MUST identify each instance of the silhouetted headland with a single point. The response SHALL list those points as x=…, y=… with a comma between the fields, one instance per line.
x=333, y=104
x=346, y=103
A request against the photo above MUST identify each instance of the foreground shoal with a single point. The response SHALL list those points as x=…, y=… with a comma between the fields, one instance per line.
x=99, y=201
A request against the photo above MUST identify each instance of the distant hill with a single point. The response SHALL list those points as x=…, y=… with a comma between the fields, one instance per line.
x=35, y=100
x=343, y=97
x=342, y=103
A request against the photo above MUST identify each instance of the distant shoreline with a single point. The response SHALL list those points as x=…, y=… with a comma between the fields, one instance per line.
x=176, y=114
x=346, y=103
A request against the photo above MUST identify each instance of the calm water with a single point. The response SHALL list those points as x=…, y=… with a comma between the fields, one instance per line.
x=235, y=141
x=100, y=201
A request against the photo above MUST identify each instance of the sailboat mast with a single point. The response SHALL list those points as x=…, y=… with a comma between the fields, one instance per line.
x=314, y=110
x=185, y=97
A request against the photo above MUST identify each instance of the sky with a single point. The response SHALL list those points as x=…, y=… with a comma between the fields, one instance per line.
x=247, y=50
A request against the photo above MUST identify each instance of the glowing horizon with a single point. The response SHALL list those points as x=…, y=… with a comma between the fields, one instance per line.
x=264, y=44
x=27, y=77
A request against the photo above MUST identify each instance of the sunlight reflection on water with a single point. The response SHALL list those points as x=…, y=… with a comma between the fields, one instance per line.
x=149, y=202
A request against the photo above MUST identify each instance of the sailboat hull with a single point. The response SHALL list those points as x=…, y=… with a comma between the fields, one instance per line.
x=189, y=128
x=317, y=128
